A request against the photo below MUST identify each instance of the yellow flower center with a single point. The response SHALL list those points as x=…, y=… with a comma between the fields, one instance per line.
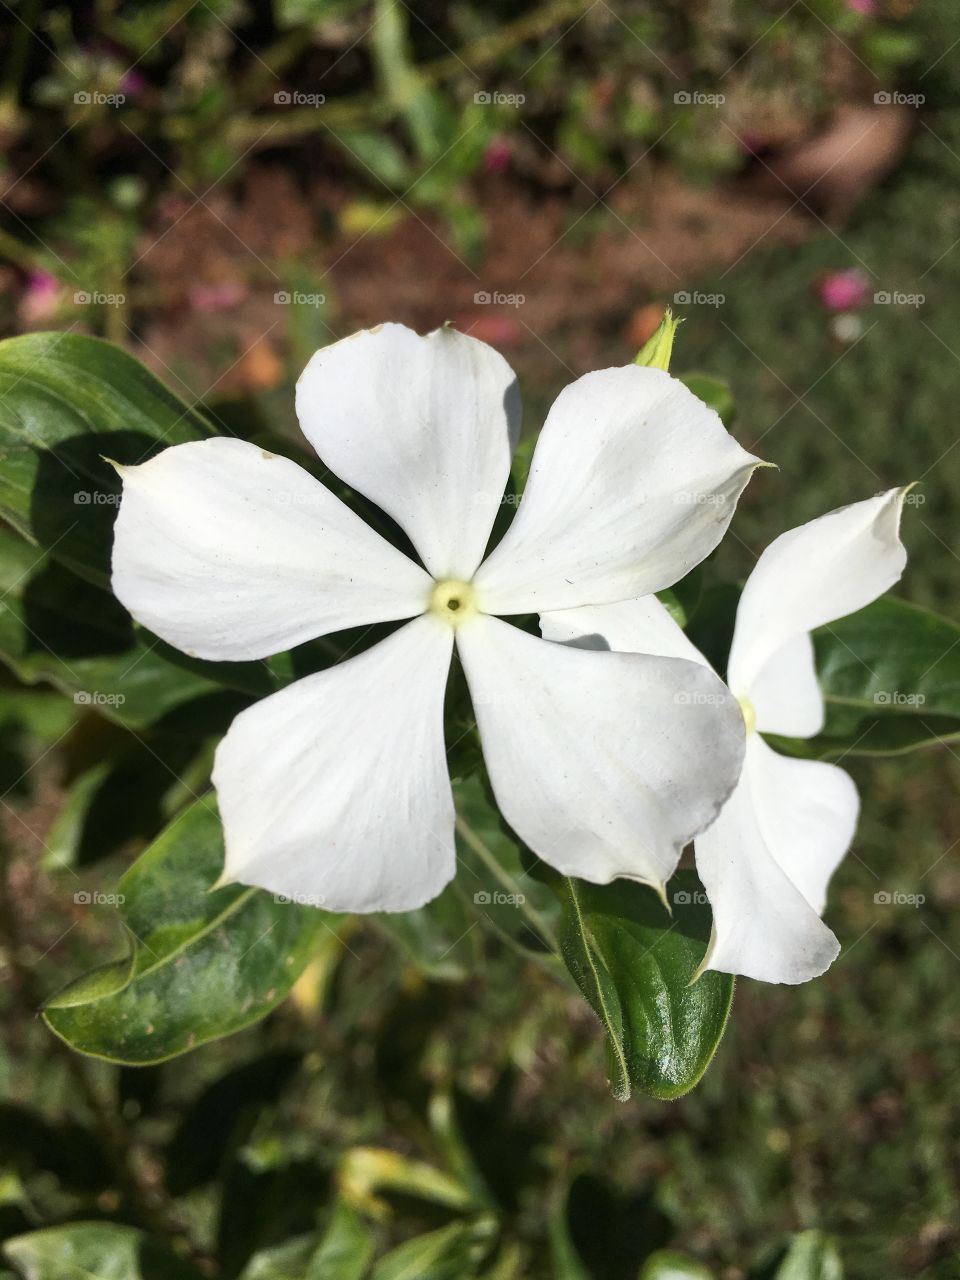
x=749, y=714
x=453, y=600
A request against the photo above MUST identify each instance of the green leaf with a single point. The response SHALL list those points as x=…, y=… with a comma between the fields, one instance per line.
x=667, y=1264
x=344, y=1252
x=492, y=888
x=812, y=1255
x=93, y=1251
x=201, y=965
x=890, y=675
x=452, y=1253
x=714, y=392
x=58, y=628
x=634, y=964
x=66, y=402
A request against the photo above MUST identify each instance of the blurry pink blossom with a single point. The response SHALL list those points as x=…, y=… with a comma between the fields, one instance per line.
x=844, y=290
x=38, y=302
x=862, y=6
x=497, y=157
x=133, y=83
x=216, y=297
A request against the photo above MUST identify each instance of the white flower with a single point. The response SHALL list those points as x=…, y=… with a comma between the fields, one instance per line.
x=336, y=788
x=767, y=860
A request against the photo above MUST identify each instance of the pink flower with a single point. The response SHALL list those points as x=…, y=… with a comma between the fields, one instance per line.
x=497, y=157
x=844, y=290
x=133, y=83
x=38, y=302
x=862, y=6
x=216, y=297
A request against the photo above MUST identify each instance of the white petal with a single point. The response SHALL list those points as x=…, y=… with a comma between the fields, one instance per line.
x=335, y=791
x=633, y=481
x=629, y=626
x=786, y=695
x=229, y=552
x=766, y=863
x=810, y=576
x=605, y=764
x=423, y=426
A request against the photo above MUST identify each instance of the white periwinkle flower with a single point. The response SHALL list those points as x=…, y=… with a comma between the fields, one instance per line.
x=767, y=860
x=336, y=788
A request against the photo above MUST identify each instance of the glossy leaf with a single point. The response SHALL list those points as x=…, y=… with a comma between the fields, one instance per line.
x=201, y=965
x=634, y=964
x=93, y=1251
x=891, y=679
x=59, y=628
x=67, y=402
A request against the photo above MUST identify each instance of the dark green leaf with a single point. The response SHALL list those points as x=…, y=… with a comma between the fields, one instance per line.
x=891, y=679
x=66, y=402
x=634, y=964
x=202, y=965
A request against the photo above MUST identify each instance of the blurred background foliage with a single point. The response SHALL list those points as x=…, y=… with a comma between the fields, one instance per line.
x=221, y=187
